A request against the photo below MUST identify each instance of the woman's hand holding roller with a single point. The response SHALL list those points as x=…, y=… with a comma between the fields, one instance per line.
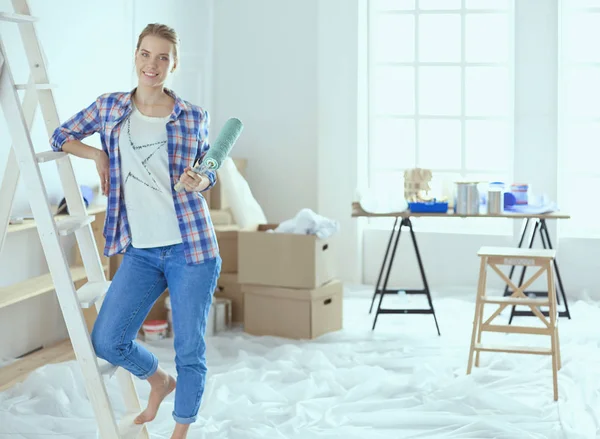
x=193, y=182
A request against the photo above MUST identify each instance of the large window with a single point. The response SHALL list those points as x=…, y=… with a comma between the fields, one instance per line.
x=441, y=97
x=579, y=128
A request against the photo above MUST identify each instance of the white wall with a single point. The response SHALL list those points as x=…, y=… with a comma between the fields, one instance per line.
x=288, y=70
x=342, y=139
x=265, y=74
x=89, y=48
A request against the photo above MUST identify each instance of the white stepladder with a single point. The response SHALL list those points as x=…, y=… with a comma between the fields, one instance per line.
x=23, y=159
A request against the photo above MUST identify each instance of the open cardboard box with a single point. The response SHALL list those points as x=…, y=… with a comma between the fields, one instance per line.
x=284, y=259
x=227, y=238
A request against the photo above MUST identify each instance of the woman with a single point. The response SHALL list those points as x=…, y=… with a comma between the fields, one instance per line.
x=150, y=139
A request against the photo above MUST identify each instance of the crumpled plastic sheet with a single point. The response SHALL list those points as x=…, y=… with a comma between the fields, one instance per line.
x=399, y=381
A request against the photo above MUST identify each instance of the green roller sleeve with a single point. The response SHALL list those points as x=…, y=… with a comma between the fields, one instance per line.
x=219, y=150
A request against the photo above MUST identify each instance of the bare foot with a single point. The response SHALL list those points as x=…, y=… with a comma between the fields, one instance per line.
x=161, y=385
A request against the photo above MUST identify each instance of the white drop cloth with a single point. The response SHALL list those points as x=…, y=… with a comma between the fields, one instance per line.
x=307, y=222
x=399, y=381
x=244, y=207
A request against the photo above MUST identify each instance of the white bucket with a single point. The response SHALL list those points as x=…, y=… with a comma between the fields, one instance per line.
x=155, y=330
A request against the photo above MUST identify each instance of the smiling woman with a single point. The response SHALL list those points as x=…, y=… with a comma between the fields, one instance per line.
x=150, y=140
x=156, y=58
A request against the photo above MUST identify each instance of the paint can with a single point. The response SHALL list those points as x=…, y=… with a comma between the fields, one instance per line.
x=467, y=198
x=495, y=201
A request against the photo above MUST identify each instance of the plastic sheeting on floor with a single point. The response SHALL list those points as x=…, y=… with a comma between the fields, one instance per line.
x=399, y=381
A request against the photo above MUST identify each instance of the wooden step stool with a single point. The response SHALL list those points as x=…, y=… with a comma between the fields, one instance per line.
x=495, y=256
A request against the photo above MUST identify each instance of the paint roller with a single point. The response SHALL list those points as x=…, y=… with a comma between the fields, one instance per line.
x=219, y=150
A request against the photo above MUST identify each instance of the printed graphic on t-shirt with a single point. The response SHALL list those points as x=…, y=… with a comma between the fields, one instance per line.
x=147, y=180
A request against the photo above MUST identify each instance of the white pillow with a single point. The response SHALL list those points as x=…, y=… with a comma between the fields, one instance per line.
x=244, y=207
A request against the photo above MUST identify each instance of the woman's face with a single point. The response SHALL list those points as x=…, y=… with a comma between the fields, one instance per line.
x=154, y=61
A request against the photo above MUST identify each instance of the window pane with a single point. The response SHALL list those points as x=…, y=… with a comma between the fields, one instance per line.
x=439, y=91
x=392, y=144
x=487, y=38
x=581, y=150
x=394, y=38
x=393, y=5
x=487, y=4
x=583, y=92
x=439, y=38
x=485, y=179
x=443, y=184
x=575, y=201
x=440, y=144
x=440, y=4
x=487, y=91
x=581, y=37
x=387, y=187
x=393, y=90
x=488, y=145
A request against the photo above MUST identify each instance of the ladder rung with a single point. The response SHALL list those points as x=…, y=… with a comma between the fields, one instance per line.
x=37, y=86
x=515, y=301
x=513, y=329
x=91, y=292
x=514, y=349
x=73, y=223
x=106, y=368
x=17, y=18
x=48, y=156
x=127, y=429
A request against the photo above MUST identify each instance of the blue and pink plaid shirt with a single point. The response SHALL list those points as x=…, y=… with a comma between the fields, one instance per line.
x=187, y=133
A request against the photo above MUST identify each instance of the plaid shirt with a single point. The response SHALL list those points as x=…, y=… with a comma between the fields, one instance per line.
x=187, y=132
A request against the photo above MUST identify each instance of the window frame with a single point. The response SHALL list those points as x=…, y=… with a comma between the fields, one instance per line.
x=472, y=225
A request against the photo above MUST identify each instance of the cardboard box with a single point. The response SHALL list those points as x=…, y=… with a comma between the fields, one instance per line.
x=221, y=217
x=159, y=311
x=229, y=288
x=284, y=259
x=293, y=313
x=206, y=195
x=217, y=198
x=227, y=237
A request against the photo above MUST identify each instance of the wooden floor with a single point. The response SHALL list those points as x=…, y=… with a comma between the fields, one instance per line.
x=19, y=370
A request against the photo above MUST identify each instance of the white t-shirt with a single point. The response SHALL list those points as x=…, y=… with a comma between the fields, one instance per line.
x=146, y=181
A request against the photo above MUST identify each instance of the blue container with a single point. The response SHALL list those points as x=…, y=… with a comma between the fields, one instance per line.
x=429, y=207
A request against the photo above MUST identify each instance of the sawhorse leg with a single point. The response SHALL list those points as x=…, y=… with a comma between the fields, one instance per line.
x=541, y=227
x=383, y=264
x=396, y=229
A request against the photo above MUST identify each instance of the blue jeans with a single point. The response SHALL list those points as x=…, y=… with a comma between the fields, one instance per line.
x=141, y=278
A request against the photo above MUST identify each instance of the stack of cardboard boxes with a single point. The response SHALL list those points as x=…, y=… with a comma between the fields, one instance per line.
x=279, y=284
x=288, y=284
x=227, y=232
